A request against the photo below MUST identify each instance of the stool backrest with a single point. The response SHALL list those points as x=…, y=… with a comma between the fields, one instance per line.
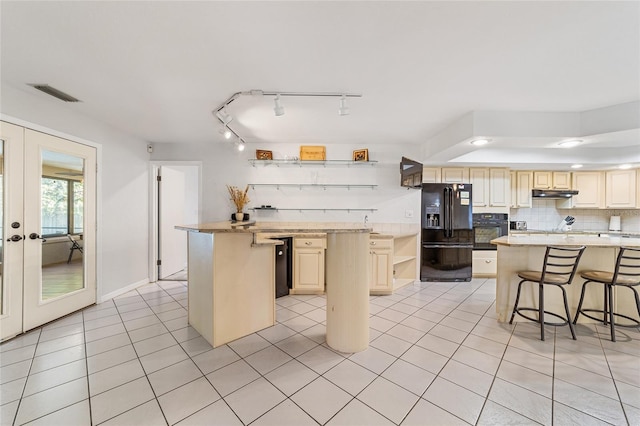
x=560, y=264
x=627, y=266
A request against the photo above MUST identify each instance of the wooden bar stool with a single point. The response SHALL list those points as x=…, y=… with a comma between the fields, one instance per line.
x=626, y=274
x=558, y=268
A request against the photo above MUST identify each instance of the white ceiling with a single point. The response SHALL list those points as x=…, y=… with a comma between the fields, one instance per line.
x=157, y=70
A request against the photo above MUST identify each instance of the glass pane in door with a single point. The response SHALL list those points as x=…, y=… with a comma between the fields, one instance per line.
x=62, y=213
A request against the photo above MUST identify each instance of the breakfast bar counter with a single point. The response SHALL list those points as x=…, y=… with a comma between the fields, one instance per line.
x=526, y=252
x=232, y=288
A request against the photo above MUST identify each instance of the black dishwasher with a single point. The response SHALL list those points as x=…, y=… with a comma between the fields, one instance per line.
x=283, y=267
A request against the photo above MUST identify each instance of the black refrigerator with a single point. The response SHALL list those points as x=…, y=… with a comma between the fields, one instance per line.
x=447, y=232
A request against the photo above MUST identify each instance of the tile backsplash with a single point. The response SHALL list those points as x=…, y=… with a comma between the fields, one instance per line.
x=544, y=215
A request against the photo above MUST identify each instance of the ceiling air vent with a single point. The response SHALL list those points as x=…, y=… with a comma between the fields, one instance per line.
x=54, y=92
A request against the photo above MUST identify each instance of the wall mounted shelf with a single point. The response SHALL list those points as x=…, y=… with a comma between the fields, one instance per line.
x=311, y=185
x=300, y=163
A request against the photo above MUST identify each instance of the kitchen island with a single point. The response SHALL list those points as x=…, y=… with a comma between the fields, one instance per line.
x=526, y=252
x=232, y=288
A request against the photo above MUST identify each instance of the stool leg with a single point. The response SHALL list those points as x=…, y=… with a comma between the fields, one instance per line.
x=635, y=293
x=515, y=306
x=70, y=255
x=541, y=309
x=566, y=310
x=575, y=320
x=611, y=324
x=606, y=304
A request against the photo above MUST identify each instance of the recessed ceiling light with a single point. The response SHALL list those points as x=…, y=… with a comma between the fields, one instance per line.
x=576, y=166
x=570, y=144
x=624, y=166
x=479, y=142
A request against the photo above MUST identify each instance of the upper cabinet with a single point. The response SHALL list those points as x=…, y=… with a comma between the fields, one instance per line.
x=455, y=175
x=591, y=190
x=621, y=189
x=491, y=190
x=431, y=175
x=551, y=180
x=521, y=189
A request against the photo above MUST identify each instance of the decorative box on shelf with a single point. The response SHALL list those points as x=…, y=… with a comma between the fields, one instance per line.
x=313, y=153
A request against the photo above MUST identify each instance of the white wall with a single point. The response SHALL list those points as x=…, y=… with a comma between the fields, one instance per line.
x=223, y=164
x=124, y=186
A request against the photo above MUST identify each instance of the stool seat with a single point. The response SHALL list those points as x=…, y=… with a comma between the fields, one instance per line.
x=605, y=277
x=626, y=274
x=558, y=268
x=537, y=276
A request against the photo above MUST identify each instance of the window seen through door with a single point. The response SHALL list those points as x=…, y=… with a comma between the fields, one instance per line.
x=62, y=206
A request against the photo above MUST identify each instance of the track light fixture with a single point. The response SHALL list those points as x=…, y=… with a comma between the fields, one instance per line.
x=224, y=116
x=226, y=132
x=240, y=145
x=278, y=108
x=343, y=109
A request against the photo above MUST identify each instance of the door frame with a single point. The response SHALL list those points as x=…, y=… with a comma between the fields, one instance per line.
x=154, y=165
x=98, y=147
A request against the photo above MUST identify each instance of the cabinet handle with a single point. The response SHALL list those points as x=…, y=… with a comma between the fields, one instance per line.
x=373, y=243
x=487, y=261
x=308, y=243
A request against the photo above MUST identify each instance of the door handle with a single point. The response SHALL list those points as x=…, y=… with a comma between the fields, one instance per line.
x=14, y=238
x=35, y=236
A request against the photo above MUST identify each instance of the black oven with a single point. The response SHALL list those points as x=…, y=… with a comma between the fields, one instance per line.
x=488, y=226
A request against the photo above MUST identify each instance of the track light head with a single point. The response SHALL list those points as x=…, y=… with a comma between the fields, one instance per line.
x=343, y=109
x=241, y=145
x=224, y=116
x=226, y=132
x=278, y=108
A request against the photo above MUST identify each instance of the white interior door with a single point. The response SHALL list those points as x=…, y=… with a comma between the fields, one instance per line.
x=11, y=252
x=172, y=250
x=51, y=255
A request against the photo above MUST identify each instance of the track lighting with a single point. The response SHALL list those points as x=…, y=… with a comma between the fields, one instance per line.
x=343, y=109
x=240, y=145
x=278, y=109
x=226, y=132
x=224, y=116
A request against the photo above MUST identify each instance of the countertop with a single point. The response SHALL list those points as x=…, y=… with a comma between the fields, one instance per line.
x=565, y=240
x=274, y=227
x=574, y=232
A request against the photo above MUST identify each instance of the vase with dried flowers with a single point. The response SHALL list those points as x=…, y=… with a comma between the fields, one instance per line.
x=240, y=198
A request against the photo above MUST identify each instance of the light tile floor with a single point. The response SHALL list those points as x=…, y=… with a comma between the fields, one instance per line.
x=437, y=357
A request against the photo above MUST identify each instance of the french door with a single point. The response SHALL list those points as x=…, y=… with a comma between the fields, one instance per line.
x=47, y=250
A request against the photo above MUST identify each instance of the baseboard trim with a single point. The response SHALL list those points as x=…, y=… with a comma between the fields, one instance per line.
x=122, y=290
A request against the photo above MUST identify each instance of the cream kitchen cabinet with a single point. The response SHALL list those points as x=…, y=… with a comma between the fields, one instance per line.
x=308, y=265
x=521, y=183
x=620, y=189
x=552, y=180
x=381, y=275
x=591, y=191
x=431, y=175
x=491, y=190
x=455, y=175
x=445, y=175
x=484, y=263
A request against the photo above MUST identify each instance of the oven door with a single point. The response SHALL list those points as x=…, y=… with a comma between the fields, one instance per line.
x=483, y=234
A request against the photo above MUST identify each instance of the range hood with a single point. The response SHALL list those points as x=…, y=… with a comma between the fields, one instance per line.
x=553, y=193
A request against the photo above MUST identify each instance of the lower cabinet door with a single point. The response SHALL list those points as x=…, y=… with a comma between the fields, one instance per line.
x=381, y=279
x=308, y=271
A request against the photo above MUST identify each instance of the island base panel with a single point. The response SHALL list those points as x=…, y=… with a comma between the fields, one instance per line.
x=348, y=292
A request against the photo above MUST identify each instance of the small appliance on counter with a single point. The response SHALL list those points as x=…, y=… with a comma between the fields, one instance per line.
x=519, y=225
x=614, y=223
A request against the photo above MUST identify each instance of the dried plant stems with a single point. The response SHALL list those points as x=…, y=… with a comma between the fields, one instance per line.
x=240, y=198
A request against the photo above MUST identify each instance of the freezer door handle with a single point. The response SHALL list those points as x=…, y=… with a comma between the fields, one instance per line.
x=467, y=246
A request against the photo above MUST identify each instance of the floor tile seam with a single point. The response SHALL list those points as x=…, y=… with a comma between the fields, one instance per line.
x=351, y=398
x=24, y=387
x=128, y=410
x=115, y=387
x=589, y=390
x=23, y=360
x=55, y=411
x=610, y=376
x=66, y=380
x=518, y=413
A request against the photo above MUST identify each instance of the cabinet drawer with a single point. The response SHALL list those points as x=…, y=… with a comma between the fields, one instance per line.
x=381, y=243
x=309, y=242
x=485, y=263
